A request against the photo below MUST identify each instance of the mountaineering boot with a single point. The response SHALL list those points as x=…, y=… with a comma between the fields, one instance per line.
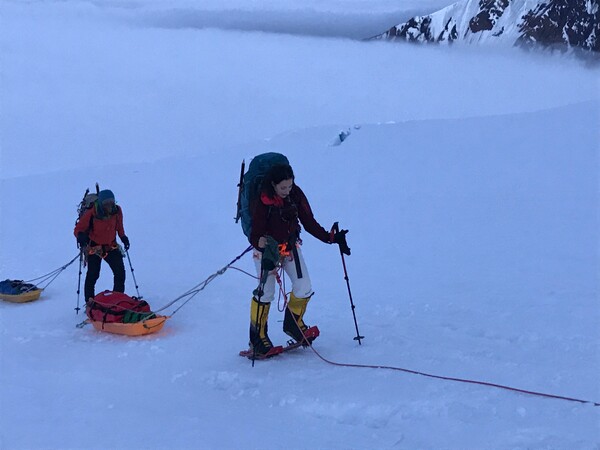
x=293, y=325
x=259, y=339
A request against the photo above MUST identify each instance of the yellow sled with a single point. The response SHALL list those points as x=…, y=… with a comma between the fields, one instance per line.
x=140, y=328
x=30, y=296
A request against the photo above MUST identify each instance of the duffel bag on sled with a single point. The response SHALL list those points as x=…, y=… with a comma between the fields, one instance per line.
x=17, y=291
x=116, y=312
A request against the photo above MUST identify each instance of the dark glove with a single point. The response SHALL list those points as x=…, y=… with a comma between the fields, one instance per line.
x=125, y=241
x=83, y=239
x=270, y=256
x=339, y=237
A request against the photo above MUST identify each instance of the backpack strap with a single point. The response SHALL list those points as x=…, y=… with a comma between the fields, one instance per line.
x=297, y=261
x=91, y=223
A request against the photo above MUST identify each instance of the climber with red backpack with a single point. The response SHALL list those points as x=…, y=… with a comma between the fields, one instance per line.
x=272, y=207
x=96, y=232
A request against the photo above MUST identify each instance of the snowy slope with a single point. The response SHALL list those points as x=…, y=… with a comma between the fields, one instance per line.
x=472, y=203
x=485, y=269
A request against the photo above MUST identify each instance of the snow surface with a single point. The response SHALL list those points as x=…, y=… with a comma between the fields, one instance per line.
x=469, y=184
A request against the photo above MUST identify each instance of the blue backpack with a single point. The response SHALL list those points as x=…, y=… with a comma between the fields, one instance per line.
x=251, y=184
x=16, y=287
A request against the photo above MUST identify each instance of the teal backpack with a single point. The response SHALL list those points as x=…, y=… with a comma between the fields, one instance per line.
x=251, y=184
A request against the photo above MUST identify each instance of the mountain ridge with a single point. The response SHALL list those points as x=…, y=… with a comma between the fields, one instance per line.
x=562, y=25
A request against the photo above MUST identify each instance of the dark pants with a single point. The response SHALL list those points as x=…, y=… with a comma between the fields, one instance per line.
x=115, y=261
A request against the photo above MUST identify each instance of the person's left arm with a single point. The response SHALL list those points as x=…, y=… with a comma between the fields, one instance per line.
x=121, y=229
x=307, y=218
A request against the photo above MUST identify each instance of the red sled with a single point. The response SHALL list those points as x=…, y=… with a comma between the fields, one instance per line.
x=116, y=312
x=111, y=307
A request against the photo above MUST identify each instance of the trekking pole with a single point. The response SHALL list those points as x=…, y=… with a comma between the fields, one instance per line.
x=77, y=308
x=133, y=275
x=358, y=336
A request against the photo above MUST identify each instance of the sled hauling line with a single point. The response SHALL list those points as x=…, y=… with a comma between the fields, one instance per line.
x=459, y=380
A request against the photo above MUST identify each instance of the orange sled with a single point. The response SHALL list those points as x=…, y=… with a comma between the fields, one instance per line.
x=141, y=328
x=22, y=298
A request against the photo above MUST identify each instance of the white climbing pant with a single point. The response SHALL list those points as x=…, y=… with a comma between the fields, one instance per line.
x=301, y=287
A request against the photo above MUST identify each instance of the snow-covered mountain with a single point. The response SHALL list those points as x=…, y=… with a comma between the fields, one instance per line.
x=560, y=24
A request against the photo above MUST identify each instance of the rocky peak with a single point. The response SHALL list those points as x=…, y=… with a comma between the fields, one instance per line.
x=556, y=24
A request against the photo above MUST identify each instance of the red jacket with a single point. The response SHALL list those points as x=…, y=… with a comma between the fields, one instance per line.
x=278, y=217
x=102, y=230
